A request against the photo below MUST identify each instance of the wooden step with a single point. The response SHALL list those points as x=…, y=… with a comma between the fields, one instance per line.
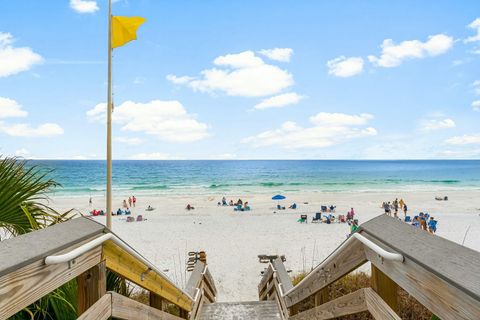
x=251, y=310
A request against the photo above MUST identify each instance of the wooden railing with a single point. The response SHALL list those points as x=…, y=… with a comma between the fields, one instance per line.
x=201, y=286
x=443, y=276
x=25, y=276
x=275, y=282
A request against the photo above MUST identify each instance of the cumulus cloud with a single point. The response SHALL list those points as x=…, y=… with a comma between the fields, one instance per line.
x=465, y=139
x=394, y=54
x=328, y=129
x=345, y=67
x=475, y=25
x=14, y=59
x=129, y=141
x=278, y=54
x=25, y=130
x=437, y=124
x=11, y=109
x=84, y=6
x=242, y=74
x=279, y=101
x=476, y=105
x=166, y=120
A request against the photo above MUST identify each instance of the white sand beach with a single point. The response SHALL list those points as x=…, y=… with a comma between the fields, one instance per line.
x=233, y=240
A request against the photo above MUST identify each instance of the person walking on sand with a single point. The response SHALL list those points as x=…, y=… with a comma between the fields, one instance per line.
x=405, y=209
x=401, y=203
x=130, y=201
x=125, y=204
x=134, y=200
x=90, y=201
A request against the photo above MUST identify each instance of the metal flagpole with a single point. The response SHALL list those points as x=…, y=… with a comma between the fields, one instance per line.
x=109, y=120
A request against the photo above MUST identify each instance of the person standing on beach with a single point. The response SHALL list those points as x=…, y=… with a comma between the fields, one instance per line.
x=395, y=207
x=405, y=209
x=130, y=201
x=134, y=200
x=90, y=201
x=401, y=203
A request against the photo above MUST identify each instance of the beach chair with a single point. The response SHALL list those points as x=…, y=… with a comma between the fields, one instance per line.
x=238, y=208
x=279, y=207
x=408, y=219
x=247, y=208
x=324, y=208
x=303, y=218
x=293, y=206
x=130, y=219
x=317, y=218
x=341, y=218
x=139, y=218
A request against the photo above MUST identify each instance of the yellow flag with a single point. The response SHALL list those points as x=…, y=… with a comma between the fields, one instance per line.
x=124, y=29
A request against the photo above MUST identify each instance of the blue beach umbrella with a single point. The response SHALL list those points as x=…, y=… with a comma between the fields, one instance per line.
x=278, y=197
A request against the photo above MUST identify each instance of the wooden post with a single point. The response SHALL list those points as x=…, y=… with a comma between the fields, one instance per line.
x=183, y=313
x=386, y=288
x=321, y=296
x=157, y=302
x=91, y=286
x=294, y=309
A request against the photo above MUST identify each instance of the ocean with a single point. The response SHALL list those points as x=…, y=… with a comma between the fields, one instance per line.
x=87, y=178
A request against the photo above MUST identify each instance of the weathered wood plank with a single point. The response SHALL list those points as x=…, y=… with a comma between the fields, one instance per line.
x=26, y=285
x=195, y=278
x=385, y=287
x=210, y=282
x=91, y=286
x=378, y=308
x=450, y=261
x=28, y=248
x=345, y=261
x=348, y=304
x=267, y=275
x=282, y=275
x=100, y=310
x=127, y=266
x=441, y=297
x=126, y=308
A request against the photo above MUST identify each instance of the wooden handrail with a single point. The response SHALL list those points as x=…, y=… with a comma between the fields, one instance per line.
x=201, y=286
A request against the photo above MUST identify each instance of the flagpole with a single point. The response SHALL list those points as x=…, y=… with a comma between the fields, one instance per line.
x=109, y=120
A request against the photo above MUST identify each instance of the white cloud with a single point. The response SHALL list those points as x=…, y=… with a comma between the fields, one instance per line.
x=476, y=86
x=243, y=74
x=11, y=109
x=84, y=6
x=24, y=153
x=279, y=101
x=465, y=139
x=436, y=124
x=13, y=59
x=394, y=54
x=278, y=54
x=179, y=80
x=167, y=120
x=129, y=141
x=25, y=130
x=345, y=67
x=328, y=129
x=476, y=105
x=153, y=156
x=475, y=25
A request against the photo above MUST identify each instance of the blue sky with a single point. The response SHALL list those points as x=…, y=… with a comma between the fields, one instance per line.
x=243, y=80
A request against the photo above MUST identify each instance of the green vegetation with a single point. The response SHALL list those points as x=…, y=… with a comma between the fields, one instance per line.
x=24, y=208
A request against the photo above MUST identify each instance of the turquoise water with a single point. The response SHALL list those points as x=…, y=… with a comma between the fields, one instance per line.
x=80, y=178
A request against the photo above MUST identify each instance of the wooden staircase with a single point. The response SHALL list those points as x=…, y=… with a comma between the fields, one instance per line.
x=442, y=276
x=253, y=310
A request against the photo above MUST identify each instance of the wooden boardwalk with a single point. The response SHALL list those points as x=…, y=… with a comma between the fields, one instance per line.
x=441, y=275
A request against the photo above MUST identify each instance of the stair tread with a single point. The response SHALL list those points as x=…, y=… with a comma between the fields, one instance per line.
x=253, y=310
